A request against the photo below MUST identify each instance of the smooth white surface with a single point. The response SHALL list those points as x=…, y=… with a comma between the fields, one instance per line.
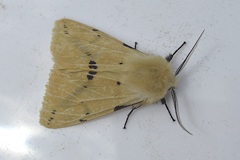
x=208, y=88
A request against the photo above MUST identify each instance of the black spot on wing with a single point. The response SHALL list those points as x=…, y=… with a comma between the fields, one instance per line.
x=119, y=107
x=95, y=29
x=88, y=54
x=124, y=106
x=82, y=120
x=87, y=113
x=50, y=119
x=92, y=62
x=118, y=83
x=98, y=35
x=92, y=72
x=92, y=65
x=53, y=112
x=121, y=63
x=89, y=77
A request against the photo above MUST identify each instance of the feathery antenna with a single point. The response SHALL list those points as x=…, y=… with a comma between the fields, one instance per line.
x=180, y=68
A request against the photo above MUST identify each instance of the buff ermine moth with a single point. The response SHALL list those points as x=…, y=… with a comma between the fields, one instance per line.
x=95, y=74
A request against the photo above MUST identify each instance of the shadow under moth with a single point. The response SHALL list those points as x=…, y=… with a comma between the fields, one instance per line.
x=95, y=74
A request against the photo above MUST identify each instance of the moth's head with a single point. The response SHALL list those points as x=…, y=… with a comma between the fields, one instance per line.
x=179, y=69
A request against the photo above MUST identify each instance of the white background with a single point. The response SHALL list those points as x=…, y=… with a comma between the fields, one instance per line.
x=208, y=88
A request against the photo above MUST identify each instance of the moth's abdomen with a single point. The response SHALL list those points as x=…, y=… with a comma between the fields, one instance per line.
x=150, y=76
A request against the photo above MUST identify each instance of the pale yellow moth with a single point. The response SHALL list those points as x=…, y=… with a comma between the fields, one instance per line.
x=95, y=74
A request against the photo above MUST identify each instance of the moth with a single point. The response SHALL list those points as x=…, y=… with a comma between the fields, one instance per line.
x=95, y=74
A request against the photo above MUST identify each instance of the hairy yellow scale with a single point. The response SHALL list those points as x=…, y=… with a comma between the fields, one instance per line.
x=149, y=77
x=95, y=74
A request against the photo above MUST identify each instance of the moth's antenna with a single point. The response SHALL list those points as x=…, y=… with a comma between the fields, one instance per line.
x=188, y=56
x=173, y=93
x=174, y=97
x=165, y=103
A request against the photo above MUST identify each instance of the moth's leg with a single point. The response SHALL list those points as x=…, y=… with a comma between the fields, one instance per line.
x=133, y=108
x=135, y=46
x=165, y=103
x=170, y=56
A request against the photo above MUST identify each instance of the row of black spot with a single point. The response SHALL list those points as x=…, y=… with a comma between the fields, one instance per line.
x=50, y=119
x=65, y=26
x=92, y=65
x=84, y=120
x=54, y=112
